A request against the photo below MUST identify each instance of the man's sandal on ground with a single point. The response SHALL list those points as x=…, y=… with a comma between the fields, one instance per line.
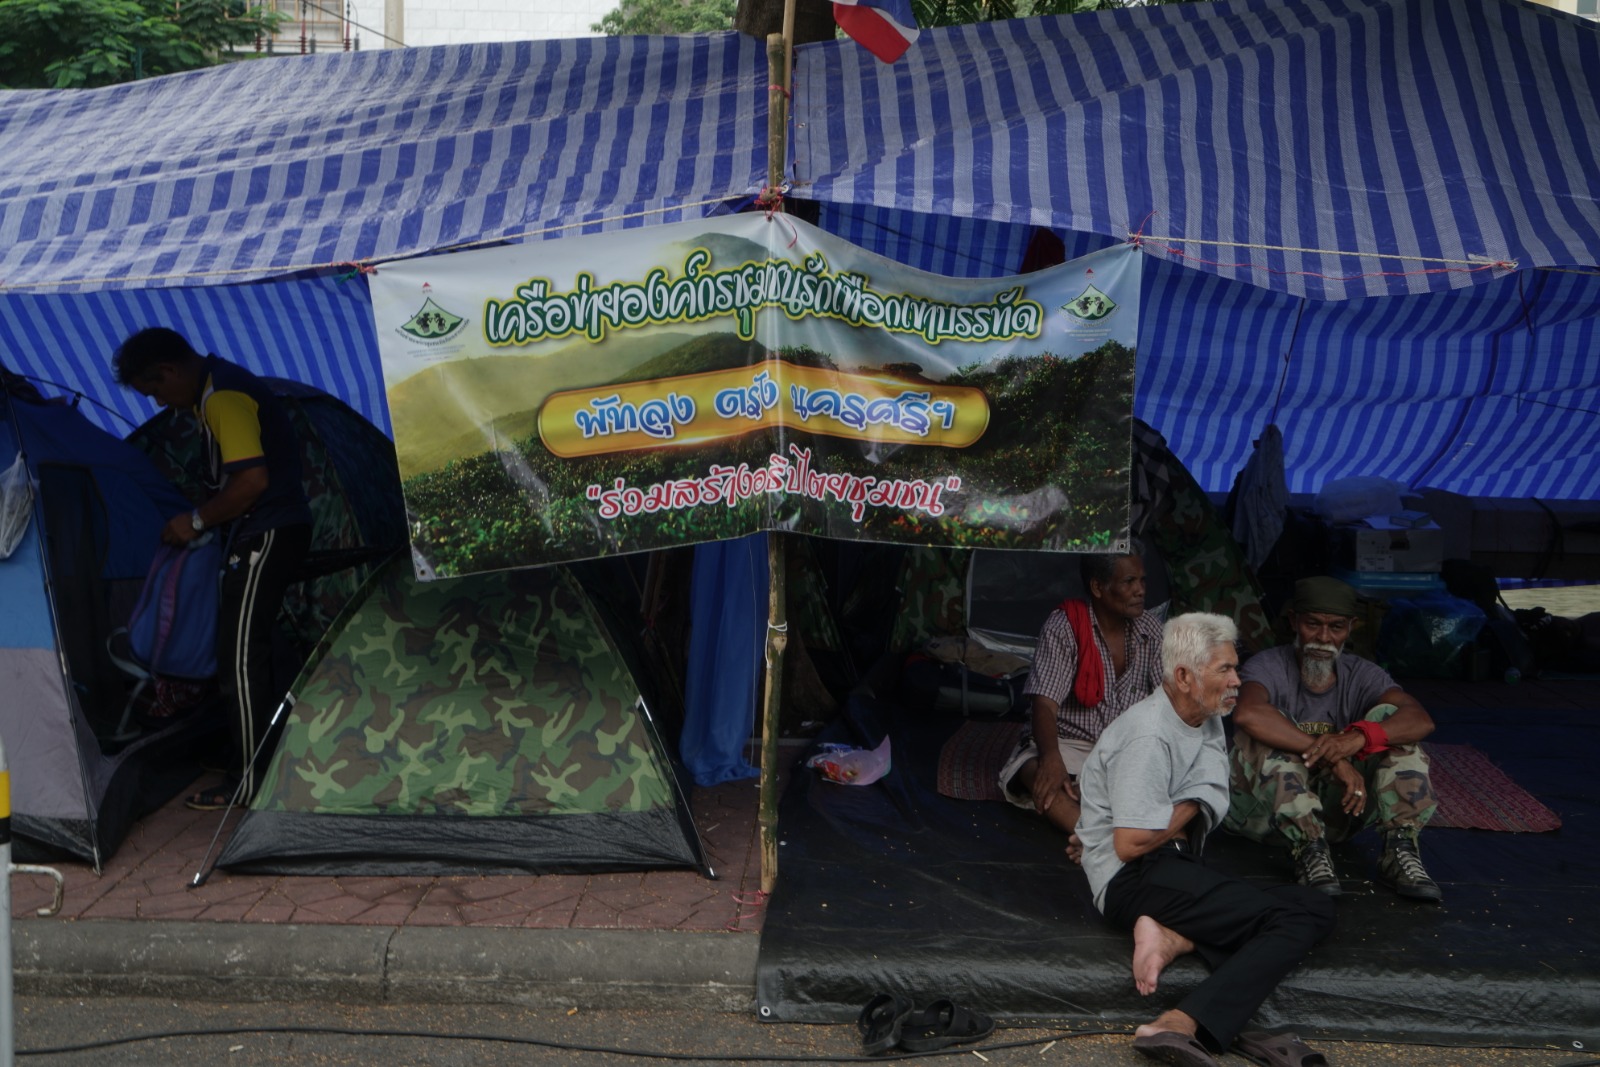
x=881, y=1022
x=1277, y=1050
x=216, y=798
x=942, y=1024
x=1169, y=1046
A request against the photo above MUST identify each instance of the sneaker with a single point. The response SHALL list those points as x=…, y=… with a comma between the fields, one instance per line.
x=1402, y=869
x=1313, y=867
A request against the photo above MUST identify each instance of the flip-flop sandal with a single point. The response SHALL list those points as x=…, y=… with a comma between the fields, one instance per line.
x=1277, y=1050
x=1169, y=1046
x=942, y=1024
x=217, y=798
x=881, y=1021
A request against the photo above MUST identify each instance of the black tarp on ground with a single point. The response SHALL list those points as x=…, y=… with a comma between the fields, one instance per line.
x=893, y=887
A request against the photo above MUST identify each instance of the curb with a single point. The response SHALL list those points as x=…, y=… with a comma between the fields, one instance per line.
x=386, y=964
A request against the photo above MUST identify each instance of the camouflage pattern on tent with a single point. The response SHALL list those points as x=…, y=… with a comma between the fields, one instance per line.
x=486, y=721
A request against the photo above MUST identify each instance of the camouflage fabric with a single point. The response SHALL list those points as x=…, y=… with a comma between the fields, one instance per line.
x=1206, y=566
x=1273, y=801
x=492, y=695
x=933, y=588
x=806, y=597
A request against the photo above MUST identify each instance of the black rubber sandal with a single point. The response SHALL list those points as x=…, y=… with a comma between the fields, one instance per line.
x=942, y=1024
x=880, y=1022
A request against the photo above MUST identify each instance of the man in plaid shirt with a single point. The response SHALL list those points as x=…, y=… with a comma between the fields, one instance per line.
x=1073, y=698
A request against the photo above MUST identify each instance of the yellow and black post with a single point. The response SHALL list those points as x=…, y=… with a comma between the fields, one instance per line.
x=7, y=1017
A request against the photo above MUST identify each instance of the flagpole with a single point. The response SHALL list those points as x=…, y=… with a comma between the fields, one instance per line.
x=788, y=46
x=777, y=635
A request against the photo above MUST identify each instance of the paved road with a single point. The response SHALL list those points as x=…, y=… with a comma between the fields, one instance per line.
x=548, y=1038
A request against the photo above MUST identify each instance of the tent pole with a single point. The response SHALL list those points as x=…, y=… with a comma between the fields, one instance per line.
x=777, y=641
x=777, y=622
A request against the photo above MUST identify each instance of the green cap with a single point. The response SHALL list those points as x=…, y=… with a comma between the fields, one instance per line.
x=1326, y=596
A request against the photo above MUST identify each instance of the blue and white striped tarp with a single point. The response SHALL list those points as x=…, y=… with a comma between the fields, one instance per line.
x=1388, y=128
x=310, y=329
x=265, y=168
x=1487, y=391
x=1334, y=148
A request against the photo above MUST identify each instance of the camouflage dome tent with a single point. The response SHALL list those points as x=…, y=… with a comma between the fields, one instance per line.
x=490, y=721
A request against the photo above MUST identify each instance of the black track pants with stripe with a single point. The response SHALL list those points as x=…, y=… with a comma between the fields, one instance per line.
x=256, y=573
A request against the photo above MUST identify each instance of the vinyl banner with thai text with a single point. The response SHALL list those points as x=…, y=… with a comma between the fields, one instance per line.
x=672, y=384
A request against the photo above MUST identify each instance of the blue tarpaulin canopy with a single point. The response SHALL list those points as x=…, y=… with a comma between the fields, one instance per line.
x=1374, y=221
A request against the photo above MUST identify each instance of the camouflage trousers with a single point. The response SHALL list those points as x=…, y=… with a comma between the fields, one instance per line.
x=1276, y=800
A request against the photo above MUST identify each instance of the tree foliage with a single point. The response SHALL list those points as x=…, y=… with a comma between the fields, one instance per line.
x=666, y=16
x=65, y=44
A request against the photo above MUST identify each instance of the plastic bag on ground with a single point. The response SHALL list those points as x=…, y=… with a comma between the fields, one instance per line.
x=1428, y=637
x=851, y=766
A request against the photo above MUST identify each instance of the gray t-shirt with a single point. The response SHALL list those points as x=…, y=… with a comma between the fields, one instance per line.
x=1358, y=686
x=1145, y=762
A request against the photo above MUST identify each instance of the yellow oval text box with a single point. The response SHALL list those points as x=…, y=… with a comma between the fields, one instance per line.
x=697, y=409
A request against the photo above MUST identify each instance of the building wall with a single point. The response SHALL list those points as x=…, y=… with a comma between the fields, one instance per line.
x=1587, y=8
x=429, y=22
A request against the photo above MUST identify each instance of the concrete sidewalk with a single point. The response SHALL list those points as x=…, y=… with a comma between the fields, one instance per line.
x=623, y=939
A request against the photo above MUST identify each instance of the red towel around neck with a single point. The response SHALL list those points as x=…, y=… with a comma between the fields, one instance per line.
x=1090, y=684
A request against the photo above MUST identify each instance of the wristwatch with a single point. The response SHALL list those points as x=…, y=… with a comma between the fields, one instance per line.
x=196, y=521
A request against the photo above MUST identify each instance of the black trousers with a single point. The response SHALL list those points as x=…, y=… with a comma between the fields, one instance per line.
x=256, y=572
x=1248, y=936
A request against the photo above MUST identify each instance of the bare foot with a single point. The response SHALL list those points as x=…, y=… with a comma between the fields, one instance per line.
x=1075, y=849
x=1155, y=946
x=1170, y=1021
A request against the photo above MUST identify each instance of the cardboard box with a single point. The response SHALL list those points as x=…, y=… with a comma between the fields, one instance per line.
x=1414, y=549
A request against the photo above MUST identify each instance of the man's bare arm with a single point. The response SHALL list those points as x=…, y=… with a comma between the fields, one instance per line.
x=1410, y=723
x=1257, y=716
x=1131, y=844
x=1050, y=778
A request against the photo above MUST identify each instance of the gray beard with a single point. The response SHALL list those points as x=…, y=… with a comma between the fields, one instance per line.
x=1316, y=673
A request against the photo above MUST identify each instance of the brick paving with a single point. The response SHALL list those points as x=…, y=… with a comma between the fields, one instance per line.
x=149, y=878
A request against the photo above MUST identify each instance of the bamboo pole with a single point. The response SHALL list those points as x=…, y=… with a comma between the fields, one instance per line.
x=777, y=619
x=777, y=641
x=777, y=107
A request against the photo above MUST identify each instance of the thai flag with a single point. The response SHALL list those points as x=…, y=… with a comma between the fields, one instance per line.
x=885, y=28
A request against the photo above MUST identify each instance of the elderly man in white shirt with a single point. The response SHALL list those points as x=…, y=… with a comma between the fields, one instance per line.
x=1155, y=785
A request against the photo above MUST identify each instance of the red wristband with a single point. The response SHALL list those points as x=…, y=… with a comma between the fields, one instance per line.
x=1377, y=737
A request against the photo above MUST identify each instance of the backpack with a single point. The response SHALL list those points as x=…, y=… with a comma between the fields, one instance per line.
x=173, y=629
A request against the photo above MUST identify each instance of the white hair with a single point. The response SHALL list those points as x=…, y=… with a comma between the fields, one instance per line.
x=1188, y=641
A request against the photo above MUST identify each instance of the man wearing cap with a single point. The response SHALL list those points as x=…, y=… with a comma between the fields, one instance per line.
x=1095, y=659
x=1325, y=744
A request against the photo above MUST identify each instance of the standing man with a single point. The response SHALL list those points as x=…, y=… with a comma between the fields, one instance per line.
x=1095, y=658
x=260, y=501
x=1155, y=785
x=1326, y=743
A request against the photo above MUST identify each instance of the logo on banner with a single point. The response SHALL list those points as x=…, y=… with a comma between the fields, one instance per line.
x=432, y=323
x=1090, y=305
